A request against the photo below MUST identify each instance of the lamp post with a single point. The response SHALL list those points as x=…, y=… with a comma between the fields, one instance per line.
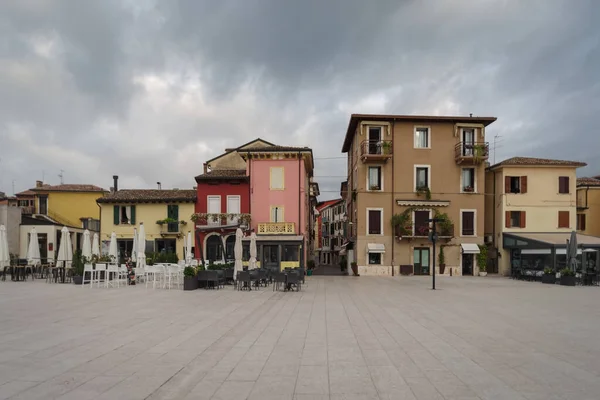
x=433, y=238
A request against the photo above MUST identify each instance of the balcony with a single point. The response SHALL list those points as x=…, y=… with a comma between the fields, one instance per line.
x=375, y=151
x=276, y=228
x=216, y=220
x=444, y=232
x=27, y=210
x=471, y=153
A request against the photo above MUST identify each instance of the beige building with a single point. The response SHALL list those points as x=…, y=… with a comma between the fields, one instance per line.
x=588, y=206
x=404, y=170
x=528, y=196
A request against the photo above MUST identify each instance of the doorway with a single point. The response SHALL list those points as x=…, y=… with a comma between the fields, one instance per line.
x=374, y=140
x=468, y=141
x=421, y=261
x=270, y=258
x=467, y=264
x=43, y=204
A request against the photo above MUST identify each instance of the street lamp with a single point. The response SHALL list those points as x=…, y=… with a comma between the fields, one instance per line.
x=433, y=236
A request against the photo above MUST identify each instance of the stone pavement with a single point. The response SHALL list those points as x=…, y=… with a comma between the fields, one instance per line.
x=340, y=338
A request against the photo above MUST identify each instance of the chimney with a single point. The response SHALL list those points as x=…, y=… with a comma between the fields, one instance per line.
x=159, y=185
x=39, y=184
x=116, y=182
x=471, y=115
x=205, y=168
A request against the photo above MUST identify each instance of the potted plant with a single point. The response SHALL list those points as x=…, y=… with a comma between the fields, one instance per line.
x=387, y=147
x=424, y=190
x=310, y=266
x=442, y=260
x=354, y=267
x=468, y=189
x=190, y=280
x=482, y=260
x=77, y=267
x=478, y=152
x=549, y=276
x=567, y=277
x=374, y=187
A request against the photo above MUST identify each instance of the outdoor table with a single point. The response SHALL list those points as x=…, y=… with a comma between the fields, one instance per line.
x=18, y=271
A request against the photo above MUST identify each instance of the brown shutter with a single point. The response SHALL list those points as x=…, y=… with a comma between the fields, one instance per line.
x=563, y=219
x=523, y=219
x=582, y=226
x=523, y=184
x=563, y=184
x=507, y=184
x=507, y=217
x=468, y=223
x=374, y=222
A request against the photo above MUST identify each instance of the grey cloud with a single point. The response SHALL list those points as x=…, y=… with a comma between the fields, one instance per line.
x=149, y=90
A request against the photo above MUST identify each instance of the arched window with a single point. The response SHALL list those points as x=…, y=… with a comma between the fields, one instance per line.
x=230, y=246
x=214, y=248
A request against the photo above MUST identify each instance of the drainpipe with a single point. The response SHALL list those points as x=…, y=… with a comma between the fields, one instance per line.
x=300, y=201
x=392, y=210
x=494, y=215
x=249, y=188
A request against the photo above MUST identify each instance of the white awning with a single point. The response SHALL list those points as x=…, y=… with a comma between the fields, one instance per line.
x=375, y=248
x=469, y=248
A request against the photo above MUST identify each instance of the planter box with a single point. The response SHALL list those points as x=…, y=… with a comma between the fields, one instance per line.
x=442, y=269
x=549, y=278
x=567, y=280
x=190, y=283
x=77, y=280
x=482, y=273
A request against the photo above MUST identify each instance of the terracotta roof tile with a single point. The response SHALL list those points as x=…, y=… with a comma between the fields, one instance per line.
x=149, y=196
x=275, y=148
x=588, y=182
x=328, y=203
x=222, y=174
x=68, y=188
x=516, y=161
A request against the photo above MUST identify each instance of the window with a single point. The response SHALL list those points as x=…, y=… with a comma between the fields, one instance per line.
x=515, y=184
x=246, y=251
x=374, y=182
x=214, y=248
x=468, y=136
x=230, y=248
x=515, y=219
x=173, y=214
x=213, y=207
x=421, y=177
x=332, y=228
x=290, y=252
x=277, y=214
x=374, y=222
x=277, y=178
x=233, y=207
x=325, y=242
x=124, y=215
x=581, y=222
x=564, y=219
x=468, y=180
x=374, y=140
x=467, y=223
x=374, y=258
x=167, y=246
x=563, y=185
x=421, y=222
x=421, y=138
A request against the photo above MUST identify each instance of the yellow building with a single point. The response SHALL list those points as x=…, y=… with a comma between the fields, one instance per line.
x=73, y=205
x=588, y=206
x=530, y=210
x=166, y=215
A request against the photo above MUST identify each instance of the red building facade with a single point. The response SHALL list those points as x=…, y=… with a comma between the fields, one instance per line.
x=222, y=206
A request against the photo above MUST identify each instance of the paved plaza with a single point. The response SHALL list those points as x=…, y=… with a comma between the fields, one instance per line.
x=340, y=338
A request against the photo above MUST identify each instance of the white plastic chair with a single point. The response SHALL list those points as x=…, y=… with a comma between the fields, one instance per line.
x=172, y=275
x=87, y=268
x=114, y=270
x=140, y=273
x=154, y=272
x=97, y=272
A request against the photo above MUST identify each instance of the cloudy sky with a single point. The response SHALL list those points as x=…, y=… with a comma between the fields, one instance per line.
x=149, y=90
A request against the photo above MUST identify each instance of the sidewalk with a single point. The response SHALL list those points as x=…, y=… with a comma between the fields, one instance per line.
x=328, y=270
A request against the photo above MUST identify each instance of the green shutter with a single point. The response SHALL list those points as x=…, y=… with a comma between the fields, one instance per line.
x=117, y=215
x=132, y=215
x=173, y=213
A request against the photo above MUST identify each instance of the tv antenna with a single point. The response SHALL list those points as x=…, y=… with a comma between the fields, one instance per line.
x=496, y=137
x=61, y=176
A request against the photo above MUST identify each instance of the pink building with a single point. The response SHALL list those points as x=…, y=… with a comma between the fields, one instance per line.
x=282, y=200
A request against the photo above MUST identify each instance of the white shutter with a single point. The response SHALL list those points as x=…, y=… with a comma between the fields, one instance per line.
x=277, y=178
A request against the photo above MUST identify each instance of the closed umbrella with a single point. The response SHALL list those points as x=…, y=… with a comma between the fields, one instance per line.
x=252, y=251
x=134, y=248
x=141, y=251
x=188, y=249
x=96, y=245
x=65, y=251
x=33, y=250
x=112, y=247
x=4, y=254
x=572, y=251
x=86, y=250
x=238, y=250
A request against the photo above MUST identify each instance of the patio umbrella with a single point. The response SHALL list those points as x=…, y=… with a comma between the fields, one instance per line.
x=141, y=250
x=33, y=250
x=65, y=251
x=188, y=249
x=252, y=251
x=134, y=248
x=572, y=251
x=112, y=247
x=238, y=250
x=86, y=250
x=95, y=245
x=4, y=254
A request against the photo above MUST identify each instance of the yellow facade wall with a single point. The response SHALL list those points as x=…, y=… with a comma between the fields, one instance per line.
x=70, y=207
x=147, y=214
x=589, y=200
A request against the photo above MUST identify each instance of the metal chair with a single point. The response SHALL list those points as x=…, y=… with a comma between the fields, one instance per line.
x=278, y=279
